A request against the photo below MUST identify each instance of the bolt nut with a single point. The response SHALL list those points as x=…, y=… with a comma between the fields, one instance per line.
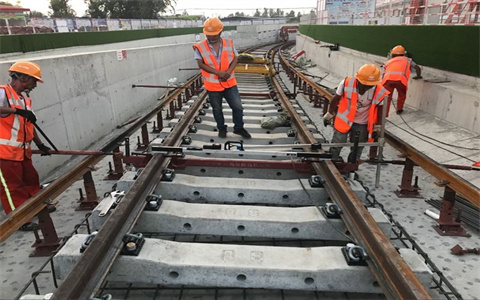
x=131, y=246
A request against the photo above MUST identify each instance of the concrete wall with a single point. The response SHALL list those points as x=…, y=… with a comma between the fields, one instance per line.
x=456, y=101
x=88, y=91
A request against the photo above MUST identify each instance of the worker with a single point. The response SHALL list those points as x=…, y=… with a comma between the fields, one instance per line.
x=397, y=73
x=217, y=58
x=357, y=100
x=18, y=178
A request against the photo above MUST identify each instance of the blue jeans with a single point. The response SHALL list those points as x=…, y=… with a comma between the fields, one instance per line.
x=233, y=99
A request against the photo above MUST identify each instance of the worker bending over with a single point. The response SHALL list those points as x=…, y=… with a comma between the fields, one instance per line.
x=217, y=58
x=397, y=73
x=355, y=104
x=18, y=178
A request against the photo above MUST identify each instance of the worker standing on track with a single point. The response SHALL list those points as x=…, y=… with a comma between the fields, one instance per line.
x=397, y=73
x=18, y=178
x=357, y=100
x=217, y=58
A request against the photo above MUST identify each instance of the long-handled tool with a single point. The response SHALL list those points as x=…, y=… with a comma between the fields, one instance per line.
x=45, y=136
x=73, y=152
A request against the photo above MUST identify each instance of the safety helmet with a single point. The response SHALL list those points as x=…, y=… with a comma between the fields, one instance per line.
x=398, y=50
x=368, y=75
x=212, y=26
x=29, y=68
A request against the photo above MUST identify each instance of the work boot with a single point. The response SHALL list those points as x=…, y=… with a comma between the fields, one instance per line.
x=222, y=133
x=30, y=226
x=243, y=133
x=399, y=112
x=51, y=208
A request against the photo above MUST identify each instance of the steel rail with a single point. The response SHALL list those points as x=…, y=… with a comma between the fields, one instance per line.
x=35, y=204
x=91, y=269
x=452, y=180
x=393, y=274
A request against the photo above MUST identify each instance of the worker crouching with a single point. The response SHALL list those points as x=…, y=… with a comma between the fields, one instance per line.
x=355, y=108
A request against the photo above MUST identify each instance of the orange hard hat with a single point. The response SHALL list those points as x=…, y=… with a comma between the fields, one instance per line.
x=398, y=50
x=29, y=68
x=368, y=75
x=212, y=26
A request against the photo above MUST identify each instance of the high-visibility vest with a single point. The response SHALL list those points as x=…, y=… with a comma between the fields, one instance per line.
x=398, y=69
x=210, y=80
x=16, y=134
x=347, y=108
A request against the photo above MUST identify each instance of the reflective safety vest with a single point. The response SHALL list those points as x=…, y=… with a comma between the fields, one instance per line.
x=227, y=55
x=16, y=134
x=398, y=69
x=347, y=108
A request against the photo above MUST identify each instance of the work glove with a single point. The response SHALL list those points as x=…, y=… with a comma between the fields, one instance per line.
x=327, y=119
x=44, y=149
x=27, y=114
x=417, y=77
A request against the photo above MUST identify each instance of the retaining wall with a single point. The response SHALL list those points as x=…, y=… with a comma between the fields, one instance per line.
x=456, y=101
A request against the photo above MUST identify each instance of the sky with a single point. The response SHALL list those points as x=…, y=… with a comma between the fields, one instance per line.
x=209, y=8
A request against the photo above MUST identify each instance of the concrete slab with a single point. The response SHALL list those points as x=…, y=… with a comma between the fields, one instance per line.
x=235, y=220
x=166, y=262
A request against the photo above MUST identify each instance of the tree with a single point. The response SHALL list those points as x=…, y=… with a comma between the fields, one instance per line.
x=6, y=3
x=36, y=14
x=127, y=9
x=239, y=14
x=291, y=14
x=61, y=9
x=257, y=13
x=265, y=13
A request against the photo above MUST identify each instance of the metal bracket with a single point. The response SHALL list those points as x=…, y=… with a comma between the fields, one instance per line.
x=139, y=171
x=153, y=202
x=197, y=119
x=291, y=133
x=316, y=181
x=202, y=112
x=192, y=129
x=133, y=243
x=332, y=211
x=112, y=202
x=168, y=174
x=87, y=241
x=355, y=255
x=186, y=140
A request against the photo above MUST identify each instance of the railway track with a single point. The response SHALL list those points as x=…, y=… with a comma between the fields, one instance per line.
x=211, y=218
x=209, y=188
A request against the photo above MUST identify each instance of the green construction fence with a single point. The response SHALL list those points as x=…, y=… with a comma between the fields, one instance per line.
x=449, y=48
x=45, y=41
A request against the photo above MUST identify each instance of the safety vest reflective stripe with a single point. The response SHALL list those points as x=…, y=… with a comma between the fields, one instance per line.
x=15, y=133
x=380, y=93
x=7, y=191
x=211, y=81
x=347, y=106
x=398, y=68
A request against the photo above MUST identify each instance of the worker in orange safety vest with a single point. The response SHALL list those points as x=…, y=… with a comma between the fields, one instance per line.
x=18, y=178
x=355, y=108
x=397, y=73
x=217, y=57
